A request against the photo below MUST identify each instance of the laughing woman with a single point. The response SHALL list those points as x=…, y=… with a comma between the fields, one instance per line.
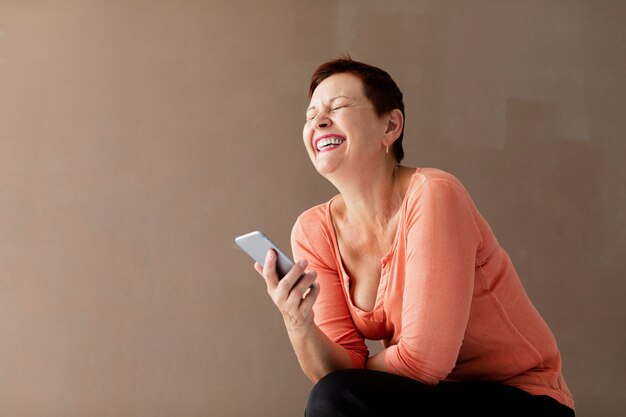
x=402, y=255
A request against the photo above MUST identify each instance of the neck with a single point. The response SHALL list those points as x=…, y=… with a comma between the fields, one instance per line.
x=373, y=196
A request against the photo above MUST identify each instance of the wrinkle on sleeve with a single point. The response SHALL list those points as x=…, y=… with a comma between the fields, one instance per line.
x=310, y=241
x=442, y=239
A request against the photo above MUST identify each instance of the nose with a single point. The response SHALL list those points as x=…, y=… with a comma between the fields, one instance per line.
x=322, y=120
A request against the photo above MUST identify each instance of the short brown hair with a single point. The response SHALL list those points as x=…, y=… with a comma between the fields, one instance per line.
x=378, y=85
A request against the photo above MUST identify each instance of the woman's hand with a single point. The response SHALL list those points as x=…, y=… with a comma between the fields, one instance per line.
x=294, y=295
x=377, y=362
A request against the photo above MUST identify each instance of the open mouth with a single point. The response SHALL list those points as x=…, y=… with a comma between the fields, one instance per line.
x=328, y=143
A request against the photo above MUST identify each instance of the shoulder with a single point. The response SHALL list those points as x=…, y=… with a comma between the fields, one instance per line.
x=438, y=203
x=434, y=175
x=438, y=194
x=313, y=225
x=435, y=183
x=313, y=217
x=312, y=236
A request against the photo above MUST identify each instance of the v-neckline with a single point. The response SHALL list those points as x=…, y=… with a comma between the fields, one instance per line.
x=376, y=311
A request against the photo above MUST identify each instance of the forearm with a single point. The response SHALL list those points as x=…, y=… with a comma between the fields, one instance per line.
x=316, y=353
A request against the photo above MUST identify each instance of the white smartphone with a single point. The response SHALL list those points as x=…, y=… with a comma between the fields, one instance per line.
x=256, y=244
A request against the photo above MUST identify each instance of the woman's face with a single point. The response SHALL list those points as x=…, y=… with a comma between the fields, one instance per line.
x=342, y=130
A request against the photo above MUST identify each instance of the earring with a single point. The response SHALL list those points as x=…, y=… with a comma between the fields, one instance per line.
x=387, y=150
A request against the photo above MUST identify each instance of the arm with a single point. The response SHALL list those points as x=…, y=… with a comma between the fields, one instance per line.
x=319, y=324
x=441, y=244
x=295, y=297
x=311, y=239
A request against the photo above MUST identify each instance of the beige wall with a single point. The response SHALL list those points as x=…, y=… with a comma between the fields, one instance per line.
x=137, y=138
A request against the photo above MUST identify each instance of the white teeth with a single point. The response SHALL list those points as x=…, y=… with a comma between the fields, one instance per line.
x=321, y=144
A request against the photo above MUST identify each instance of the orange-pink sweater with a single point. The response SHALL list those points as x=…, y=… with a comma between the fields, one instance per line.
x=450, y=306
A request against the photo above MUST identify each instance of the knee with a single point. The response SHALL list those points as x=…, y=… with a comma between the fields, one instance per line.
x=331, y=396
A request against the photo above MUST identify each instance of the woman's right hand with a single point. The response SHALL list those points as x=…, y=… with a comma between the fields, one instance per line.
x=294, y=295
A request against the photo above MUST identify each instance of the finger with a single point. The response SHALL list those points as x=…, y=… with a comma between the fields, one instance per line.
x=304, y=284
x=291, y=278
x=300, y=290
x=269, y=270
x=286, y=285
x=306, y=305
x=309, y=299
x=258, y=267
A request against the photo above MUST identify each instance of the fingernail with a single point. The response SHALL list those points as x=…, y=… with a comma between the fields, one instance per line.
x=303, y=263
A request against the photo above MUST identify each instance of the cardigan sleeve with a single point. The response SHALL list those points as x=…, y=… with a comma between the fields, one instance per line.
x=310, y=240
x=442, y=239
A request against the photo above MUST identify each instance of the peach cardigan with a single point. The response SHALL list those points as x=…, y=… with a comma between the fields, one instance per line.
x=450, y=305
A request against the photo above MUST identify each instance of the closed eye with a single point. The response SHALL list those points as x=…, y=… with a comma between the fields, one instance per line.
x=312, y=116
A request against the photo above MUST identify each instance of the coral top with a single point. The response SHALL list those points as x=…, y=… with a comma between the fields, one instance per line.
x=450, y=306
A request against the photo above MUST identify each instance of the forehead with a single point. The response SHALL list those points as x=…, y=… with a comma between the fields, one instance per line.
x=343, y=84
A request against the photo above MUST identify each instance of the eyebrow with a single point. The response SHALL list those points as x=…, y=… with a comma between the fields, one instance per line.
x=330, y=101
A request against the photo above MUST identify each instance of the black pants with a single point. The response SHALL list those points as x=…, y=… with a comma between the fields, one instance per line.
x=363, y=393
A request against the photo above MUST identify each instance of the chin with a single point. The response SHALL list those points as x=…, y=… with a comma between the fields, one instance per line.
x=324, y=169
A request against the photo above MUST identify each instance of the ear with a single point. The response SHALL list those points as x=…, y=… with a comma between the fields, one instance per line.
x=395, y=123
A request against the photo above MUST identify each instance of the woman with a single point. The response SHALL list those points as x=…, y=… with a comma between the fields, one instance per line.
x=402, y=255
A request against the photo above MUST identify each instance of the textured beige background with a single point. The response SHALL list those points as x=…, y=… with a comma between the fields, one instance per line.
x=137, y=138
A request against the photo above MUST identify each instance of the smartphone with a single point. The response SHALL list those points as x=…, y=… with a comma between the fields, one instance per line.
x=256, y=244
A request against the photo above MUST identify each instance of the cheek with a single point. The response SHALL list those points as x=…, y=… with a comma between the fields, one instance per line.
x=306, y=135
